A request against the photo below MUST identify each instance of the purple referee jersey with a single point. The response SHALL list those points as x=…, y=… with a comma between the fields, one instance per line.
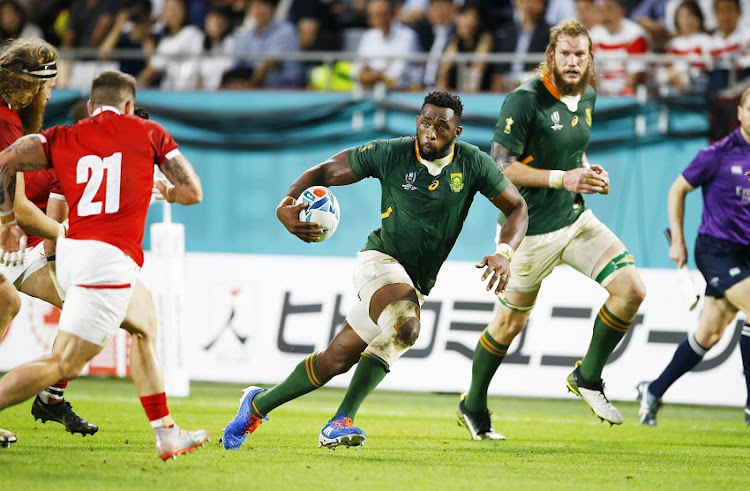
x=720, y=171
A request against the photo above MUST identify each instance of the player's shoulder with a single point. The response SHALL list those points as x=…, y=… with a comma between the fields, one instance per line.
x=589, y=94
x=469, y=151
x=732, y=141
x=527, y=94
x=387, y=145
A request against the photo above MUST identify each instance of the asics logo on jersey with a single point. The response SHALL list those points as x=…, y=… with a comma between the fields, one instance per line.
x=556, y=120
x=574, y=123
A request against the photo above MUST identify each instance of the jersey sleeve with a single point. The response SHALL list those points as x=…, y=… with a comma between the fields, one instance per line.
x=492, y=181
x=515, y=121
x=370, y=159
x=48, y=141
x=162, y=142
x=703, y=167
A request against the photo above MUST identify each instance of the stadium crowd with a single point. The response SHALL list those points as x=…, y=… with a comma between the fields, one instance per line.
x=212, y=44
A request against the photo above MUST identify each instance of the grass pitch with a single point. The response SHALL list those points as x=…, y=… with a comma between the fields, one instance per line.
x=413, y=443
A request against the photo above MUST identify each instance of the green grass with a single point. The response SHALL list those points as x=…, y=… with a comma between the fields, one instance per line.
x=414, y=443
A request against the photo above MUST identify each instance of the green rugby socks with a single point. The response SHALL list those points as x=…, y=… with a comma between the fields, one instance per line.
x=303, y=379
x=488, y=356
x=608, y=331
x=369, y=373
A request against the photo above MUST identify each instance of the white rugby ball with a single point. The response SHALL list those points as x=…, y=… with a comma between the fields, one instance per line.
x=323, y=208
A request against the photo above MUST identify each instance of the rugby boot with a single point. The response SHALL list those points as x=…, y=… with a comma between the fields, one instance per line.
x=592, y=394
x=173, y=441
x=341, y=431
x=245, y=422
x=649, y=404
x=6, y=438
x=62, y=413
x=478, y=423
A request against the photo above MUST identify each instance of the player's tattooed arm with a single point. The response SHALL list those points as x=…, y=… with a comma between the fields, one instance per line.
x=25, y=155
x=185, y=187
x=503, y=157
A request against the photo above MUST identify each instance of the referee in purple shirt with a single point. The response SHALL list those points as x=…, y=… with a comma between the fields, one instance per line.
x=722, y=254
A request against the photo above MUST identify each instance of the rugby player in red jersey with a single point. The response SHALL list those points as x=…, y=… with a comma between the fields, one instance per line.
x=105, y=168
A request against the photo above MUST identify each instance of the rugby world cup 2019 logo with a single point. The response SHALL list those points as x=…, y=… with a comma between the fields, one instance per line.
x=410, y=178
x=457, y=182
x=556, y=120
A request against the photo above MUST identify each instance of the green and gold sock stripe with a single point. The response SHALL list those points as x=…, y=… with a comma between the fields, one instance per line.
x=492, y=346
x=256, y=412
x=611, y=321
x=622, y=260
x=312, y=372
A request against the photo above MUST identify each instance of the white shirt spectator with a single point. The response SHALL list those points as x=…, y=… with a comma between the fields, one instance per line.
x=173, y=56
x=559, y=10
x=707, y=7
x=631, y=39
x=374, y=48
x=682, y=74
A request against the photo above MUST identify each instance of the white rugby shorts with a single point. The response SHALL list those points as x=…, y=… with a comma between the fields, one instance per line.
x=372, y=271
x=580, y=244
x=98, y=280
x=34, y=259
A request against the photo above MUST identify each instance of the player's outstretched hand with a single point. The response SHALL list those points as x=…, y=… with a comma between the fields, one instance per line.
x=12, y=244
x=498, y=272
x=288, y=214
x=586, y=181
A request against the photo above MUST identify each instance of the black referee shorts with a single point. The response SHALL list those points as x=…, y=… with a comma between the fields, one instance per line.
x=722, y=262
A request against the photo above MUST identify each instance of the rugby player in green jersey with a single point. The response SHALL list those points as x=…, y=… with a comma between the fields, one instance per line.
x=539, y=143
x=428, y=184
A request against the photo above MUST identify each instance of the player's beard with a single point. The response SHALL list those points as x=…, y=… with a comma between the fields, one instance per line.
x=436, y=153
x=32, y=115
x=566, y=88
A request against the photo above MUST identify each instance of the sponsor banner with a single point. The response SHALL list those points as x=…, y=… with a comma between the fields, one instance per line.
x=253, y=318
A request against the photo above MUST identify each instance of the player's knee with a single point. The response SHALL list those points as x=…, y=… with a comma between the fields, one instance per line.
x=409, y=331
x=10, y=301
x=635, y=294
x=507, y=326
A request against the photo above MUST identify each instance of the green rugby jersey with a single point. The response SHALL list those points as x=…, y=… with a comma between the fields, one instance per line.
x=536, y=124
x=422, y=214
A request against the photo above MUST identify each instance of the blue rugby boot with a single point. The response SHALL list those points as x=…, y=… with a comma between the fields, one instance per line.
x=245, y=422
x=649, y=404
x=341, y=431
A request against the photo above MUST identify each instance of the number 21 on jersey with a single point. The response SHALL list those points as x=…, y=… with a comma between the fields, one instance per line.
x=96, y=166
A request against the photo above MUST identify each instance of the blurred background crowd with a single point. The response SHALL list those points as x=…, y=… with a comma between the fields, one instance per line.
x=668, y=46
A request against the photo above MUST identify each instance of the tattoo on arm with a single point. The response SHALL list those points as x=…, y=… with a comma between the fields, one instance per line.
x=502, y=156
x=178, y=170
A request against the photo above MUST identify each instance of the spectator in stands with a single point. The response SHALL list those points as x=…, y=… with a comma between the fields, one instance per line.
x=218, y=47
x=317, y=27
x=89, y=21
x=588, y=12
x=559, y=10
x=412, y=11
x=265, y=36
x=527, y=33
x=13, y=22
x=132, y=30
x=657, y=17
x=730, y=41
x=174, y=66
x=350, y=13
x=471, y=36
x=434, y=32
x=691, y=39
x=615, y=40
x=386, y=37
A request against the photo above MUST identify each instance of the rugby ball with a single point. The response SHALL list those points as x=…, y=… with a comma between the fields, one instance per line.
x=323, y=208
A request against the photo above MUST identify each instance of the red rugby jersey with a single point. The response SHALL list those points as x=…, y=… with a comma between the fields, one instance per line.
x=39, y=186
x=105, y=165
